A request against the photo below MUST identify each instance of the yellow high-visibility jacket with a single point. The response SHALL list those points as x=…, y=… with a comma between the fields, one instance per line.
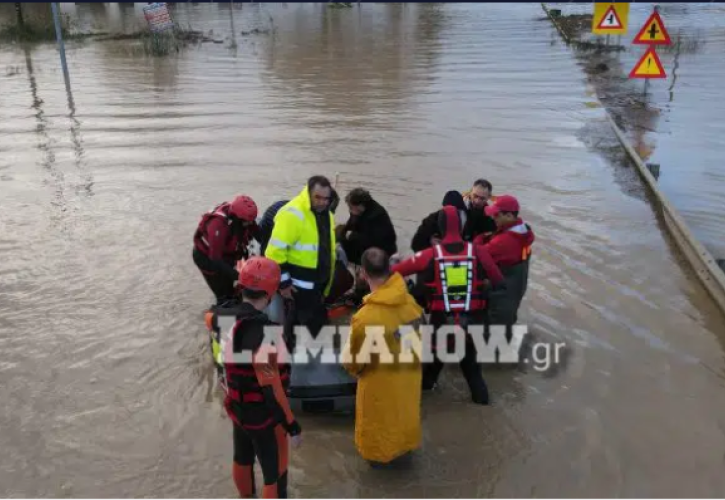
x=294, y=243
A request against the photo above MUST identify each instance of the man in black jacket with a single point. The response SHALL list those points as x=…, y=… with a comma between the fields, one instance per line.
x=473, y=218
x=369, y=226
x=476, y=201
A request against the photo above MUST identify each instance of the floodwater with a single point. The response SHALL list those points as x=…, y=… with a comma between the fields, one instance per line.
x=686, y=135
x=107, y=386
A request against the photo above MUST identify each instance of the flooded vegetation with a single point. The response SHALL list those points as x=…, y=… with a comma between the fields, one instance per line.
x=19, y=27
x=107, y=382
x=39, y=27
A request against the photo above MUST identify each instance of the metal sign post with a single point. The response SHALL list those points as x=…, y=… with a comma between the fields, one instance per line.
x=59, y=37
x=234, y=33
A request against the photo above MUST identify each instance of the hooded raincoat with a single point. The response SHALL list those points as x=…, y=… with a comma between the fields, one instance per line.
x=387, y=413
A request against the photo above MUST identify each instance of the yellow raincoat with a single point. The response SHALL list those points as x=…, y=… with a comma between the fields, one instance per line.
x=387, y=413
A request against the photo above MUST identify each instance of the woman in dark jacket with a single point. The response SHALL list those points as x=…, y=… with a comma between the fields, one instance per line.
x=369, y=226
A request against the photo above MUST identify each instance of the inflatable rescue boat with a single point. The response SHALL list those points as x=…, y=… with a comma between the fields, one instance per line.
x=314, y=387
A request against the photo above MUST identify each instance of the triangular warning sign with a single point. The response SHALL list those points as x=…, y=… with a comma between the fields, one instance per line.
x=610, y=21
x=649, y=66
x=653, y=32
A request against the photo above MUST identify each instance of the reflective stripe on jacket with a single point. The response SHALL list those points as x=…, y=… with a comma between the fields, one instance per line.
x=294, y=244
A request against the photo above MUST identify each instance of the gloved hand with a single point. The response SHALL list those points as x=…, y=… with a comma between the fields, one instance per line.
x=295, y=432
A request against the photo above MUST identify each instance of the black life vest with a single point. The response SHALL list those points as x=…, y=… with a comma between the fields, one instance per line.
x=244, y=399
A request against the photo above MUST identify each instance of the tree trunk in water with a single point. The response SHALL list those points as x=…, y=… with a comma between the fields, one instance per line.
x=19, y=12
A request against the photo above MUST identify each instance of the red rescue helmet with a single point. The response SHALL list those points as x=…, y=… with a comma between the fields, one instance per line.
x=243, y=208
x=259, y=273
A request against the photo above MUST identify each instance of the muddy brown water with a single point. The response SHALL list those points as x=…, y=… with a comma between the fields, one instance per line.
x=107, y=387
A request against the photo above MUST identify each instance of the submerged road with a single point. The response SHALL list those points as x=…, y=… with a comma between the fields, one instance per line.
x=105, y=378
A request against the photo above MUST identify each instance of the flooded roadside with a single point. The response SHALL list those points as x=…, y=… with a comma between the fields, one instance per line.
x=105, y=370
x=676, y=123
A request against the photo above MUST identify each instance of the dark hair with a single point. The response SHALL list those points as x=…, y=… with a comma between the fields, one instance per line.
x=253, y=294
x=375, y=262
x=515, y=214
x=484, y=184
x=318, y=180
x=335, y=201
x=454, y=199
x=359, y=196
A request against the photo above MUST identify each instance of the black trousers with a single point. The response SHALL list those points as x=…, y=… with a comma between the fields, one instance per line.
x=469, y=365
x=308, y=309
x=222, y=286
x=269, y=446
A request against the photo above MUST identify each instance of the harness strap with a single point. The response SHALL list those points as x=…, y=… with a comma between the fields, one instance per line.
x=252, y=397
x=248, y=397
x=455, y=261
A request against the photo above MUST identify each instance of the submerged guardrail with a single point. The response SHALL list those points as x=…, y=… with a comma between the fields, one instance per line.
x=699, y=258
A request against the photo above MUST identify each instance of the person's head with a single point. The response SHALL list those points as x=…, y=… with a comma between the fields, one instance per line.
x=242, y=211
x=259, y=279
x=358, y=200
x=504, y=210
x=454, y=199
x=480, y=193
x=335, y=200
x=375, y=264
x=320, y=191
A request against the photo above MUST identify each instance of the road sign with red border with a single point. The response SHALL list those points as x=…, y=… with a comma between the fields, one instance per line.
x=610, y=18
x=653, y=32
x=649, y=66
x=610, y=21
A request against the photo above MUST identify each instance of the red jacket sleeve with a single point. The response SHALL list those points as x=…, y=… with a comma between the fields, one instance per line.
x=415, y=264
x=216, y=235
x=482, y=238
x=499, y=249
x=492, y=270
